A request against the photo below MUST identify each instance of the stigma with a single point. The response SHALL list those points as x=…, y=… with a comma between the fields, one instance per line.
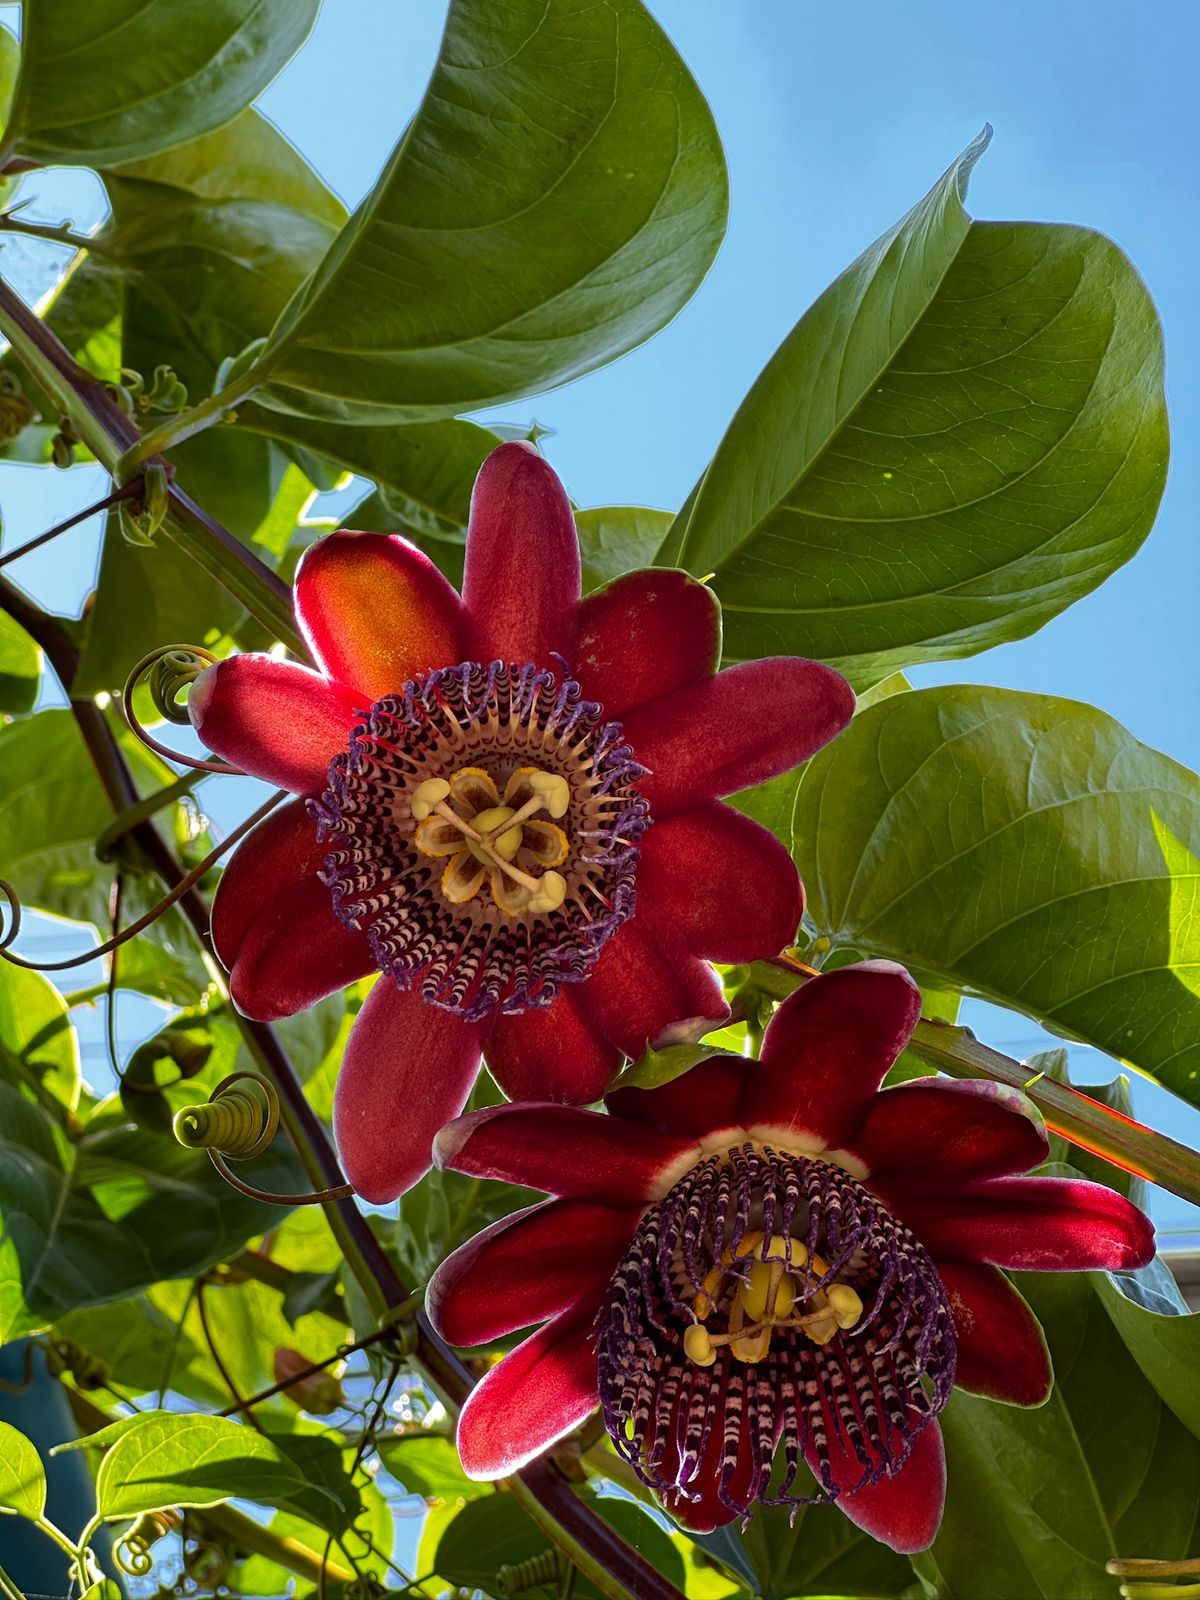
x=483, y=832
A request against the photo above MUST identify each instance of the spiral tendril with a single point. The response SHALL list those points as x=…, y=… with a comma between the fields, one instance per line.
x=238, y=1120
x=237, y=1123
x=132, y=1551
x=517, y=1577
x=170, y=670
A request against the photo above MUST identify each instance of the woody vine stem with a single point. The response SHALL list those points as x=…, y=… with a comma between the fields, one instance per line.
x=115, y=441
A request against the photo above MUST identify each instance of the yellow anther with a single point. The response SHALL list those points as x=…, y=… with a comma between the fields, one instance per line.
x=506, y=844
x=550, y=894
x=427, y=795
x=823, y=1326
x=752, y=1346
x=697, y=1346
x=554, y=792
x=844, y=1303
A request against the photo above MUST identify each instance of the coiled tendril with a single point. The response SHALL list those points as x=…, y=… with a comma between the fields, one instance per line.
x=237, y=1123
x=169, y=671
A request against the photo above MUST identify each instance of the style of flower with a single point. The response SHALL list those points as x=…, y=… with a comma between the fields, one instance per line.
x=765, y=1264
x=477, y=780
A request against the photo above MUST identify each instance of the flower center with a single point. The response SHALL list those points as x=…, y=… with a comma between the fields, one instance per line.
x=483, y=829
x=771, y=1307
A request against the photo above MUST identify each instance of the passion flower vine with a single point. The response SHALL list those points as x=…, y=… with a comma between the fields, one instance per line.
x=763, y=1265
x=509, y=805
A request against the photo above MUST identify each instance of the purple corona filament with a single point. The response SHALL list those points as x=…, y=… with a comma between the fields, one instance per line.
x=853, y=1352
x=441, y=853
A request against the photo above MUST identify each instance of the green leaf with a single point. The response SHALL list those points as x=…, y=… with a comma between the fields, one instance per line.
x=116, y=1209
x=38, y=1046
x=617, y=539
x=492, y=1531
x=143, y=1348
x=217, y=234
x=22, y=1480
x=558, y=197
x=427, y=1464
x=1166, y=1348
x=820, y=1552
x=20, y=667
x=161, y=1459
x=1022, y=847
x=122, y=79
x=963, y=435
x=657, y=1067
x=1038, y=1501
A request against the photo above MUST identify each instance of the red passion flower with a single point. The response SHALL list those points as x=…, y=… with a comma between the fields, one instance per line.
x=763, y=1264
x=509, y=806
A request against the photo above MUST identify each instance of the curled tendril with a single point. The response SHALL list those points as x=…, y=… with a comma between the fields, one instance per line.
x=170, y=670
x=186, y=883
x=132, y=1551
x=518, y=1577
x=237, y=1123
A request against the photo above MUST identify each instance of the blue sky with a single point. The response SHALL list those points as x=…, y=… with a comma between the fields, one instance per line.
x=835, y=119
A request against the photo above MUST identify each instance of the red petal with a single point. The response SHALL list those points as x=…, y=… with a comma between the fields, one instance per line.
x=1031, y=1225
x=945, y=1133
x=1001, y=1348
x=697, y=1103
x=747, y=724
x=376, y=611
x=903, y=1512
x=526, y=1268
x=581, y=1155
x=295, y=952
x=551, y=1053
x=647, y=988
x=644, y=635
x=276, y=720
x=408, y=1068
x=281, y=851
x=727, y=884
x=521, y=582
x=826, y=1050
x=537, y=1394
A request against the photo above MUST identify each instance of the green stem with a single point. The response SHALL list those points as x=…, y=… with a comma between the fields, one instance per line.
x=54, y=233
x=8, y=1588
x=178, y=428
x=1070, y=1112
x=111, y=436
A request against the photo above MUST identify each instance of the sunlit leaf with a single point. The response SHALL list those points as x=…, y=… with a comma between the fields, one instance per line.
x=120, y=79
x=20, y=667
x=963, y=435
x=22, y=1480
x=1022, y=847
x=558, y=197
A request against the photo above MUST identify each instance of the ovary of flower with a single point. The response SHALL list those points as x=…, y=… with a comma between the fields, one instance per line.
x=768, y=1297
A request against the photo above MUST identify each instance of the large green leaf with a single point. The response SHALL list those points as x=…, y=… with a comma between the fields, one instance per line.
x=1038, y=1501
x=617, y=539
x=1024, y=847
x=557, y=198
x=1166, y=1348
x=22, y=1480
x=160, y=1459
x=962, y=436
x=114, y=1209
x=38, y=1046
x=20, y=667
x=816, y=1552
x=119, y=79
